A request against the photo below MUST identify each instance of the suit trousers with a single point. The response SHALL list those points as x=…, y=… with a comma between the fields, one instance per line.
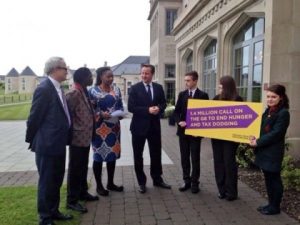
x=190, y=153
x=274, y=188
x=226, y=172
x=154, y=143
x=77, y=173
x=51, y=171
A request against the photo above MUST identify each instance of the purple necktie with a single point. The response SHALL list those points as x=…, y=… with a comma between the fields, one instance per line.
x=65, y=106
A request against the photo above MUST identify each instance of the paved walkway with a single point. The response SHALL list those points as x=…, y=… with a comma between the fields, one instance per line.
x=157, y=206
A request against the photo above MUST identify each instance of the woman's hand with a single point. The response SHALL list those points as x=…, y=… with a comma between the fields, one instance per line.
x=253, y=142
x=105, y=115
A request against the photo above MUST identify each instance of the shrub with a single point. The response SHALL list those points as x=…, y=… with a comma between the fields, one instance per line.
x=169, y=111
x=290, y=174
x=245, y=156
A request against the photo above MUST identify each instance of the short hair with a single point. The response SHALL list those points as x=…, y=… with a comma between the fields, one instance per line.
x=280, y=90
x=152, y=68
x=100, y=71
x=81, y=75
x=52, y=63
x=193, y=74
x=229, y=91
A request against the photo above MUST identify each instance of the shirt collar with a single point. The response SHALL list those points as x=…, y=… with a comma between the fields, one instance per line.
x=147, y=84
x=55, y=83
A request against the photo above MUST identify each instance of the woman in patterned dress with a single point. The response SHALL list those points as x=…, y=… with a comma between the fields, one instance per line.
x=106, y=143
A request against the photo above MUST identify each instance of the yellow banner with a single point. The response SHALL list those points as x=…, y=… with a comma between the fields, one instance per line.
x=226, y=120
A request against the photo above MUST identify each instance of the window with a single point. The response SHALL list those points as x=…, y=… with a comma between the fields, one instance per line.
x=189, y=63
x=169, y=71
x=209, y=69
x=23, y=86
x=8, y=80
x=170, y=91
x=171, y=15
x=248, y=60
x=23, y=80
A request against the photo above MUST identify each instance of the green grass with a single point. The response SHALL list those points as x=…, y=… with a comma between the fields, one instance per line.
x=15, y=112
x=18, y=206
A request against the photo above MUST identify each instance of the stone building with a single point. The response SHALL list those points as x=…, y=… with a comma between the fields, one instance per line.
x=12, y=81
x=162, y=45
x=27, y=81
x=255, y=41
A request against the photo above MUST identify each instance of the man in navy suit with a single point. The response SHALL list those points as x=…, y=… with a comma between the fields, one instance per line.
x=147, y=103
x=189, y=145
x=47, y=132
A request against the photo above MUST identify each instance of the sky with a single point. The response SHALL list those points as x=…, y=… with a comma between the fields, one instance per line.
x=81, y=31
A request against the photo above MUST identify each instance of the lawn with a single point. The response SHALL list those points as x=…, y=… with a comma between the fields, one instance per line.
x=18, y=206
x=15, y=112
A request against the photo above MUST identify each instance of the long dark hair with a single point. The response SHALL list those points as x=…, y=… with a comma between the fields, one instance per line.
x=229, y=91
x=280, y=90
x=100, y=71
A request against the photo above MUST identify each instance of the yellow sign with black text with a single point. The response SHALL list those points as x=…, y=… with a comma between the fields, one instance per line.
x=226, y=120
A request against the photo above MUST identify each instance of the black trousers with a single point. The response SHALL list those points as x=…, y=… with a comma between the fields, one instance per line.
x=154, y=143
x=51, y=171
x=77, y=173
x=226, y=171
x=190, y=152
x=274, y=188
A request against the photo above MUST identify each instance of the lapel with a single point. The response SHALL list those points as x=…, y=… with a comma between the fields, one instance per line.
x=54, y=91
x=83, y=96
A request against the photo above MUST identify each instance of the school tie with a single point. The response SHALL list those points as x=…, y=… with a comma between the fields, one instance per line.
x=65, y=106
x=149, y=91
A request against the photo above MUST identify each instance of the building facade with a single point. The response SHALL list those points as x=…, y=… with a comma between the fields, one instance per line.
x=162, y=15
x=255, y=41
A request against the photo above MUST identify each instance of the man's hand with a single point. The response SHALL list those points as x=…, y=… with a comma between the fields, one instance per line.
x=182, y=124
x=154, y=110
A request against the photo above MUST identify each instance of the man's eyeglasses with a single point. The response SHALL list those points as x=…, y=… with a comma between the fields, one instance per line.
x=62, y=68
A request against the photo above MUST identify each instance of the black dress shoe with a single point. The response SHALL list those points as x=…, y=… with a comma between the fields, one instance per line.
x=270, y=211
x=230, y=198
x=102, y=191
x=60, y=216
x=162, y=184
x=185, y=187
x=77, y=207
x=47, y=223
x=113, y=187
x=195, y=189
x=88, y=197
x=262, y=207
x=221, y=196
x=142, y=189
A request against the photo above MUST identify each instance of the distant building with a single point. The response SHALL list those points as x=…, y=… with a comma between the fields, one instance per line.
x=27, y=81
x=2, y=78
x=12, y=82
x=128, y=73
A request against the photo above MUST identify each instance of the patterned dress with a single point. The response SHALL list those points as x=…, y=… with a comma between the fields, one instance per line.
x=106, y=143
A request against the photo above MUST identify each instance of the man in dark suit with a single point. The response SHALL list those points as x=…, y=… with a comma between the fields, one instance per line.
x=47, y=132
x=82, y=114
x=147, y=103
x=189, y=145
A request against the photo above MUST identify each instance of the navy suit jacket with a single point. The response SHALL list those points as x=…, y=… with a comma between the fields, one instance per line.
x=139, y=103
x=181, y=107
x=47, y=125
